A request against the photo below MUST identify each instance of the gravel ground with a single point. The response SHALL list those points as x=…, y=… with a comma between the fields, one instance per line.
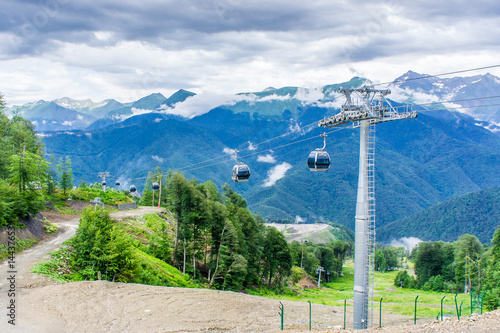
x=102, y=306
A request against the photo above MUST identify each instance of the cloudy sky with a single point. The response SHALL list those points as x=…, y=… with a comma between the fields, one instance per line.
x=127, y=49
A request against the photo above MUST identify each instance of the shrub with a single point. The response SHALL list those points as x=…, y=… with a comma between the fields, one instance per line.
x=101, y=247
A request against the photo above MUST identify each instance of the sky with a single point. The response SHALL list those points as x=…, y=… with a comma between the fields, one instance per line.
x=125, y=49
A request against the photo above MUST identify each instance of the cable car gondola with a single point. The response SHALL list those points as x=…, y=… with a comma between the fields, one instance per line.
x=156, y=186
x=104, y=183
x=319, y=160
x=132, y=188
x=117, y=183
x=241, y=172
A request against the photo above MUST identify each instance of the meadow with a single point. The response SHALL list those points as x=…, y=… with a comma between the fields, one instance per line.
x=395, y=300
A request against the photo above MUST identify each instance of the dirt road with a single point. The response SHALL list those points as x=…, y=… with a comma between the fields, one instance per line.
x=19, y=275
x=300, y=232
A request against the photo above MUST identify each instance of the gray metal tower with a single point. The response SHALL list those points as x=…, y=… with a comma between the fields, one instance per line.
x=364, y=111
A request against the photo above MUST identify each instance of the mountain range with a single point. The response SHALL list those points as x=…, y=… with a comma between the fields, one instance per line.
x=420, y=162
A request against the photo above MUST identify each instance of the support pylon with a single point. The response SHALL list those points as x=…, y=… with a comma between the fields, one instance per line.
x=365, y=113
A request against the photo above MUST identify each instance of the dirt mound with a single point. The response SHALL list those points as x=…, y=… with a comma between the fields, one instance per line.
x=307, y=283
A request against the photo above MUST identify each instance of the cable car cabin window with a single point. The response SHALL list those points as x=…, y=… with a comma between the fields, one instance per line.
x=318, y=161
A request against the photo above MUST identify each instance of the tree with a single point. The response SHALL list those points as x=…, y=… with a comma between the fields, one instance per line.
x=379, y=261
x=22, y=168
x=468, y=253
x=65, y=174
x=276, y=256
x=151, y=197
x=404, y=280
x=492, y=283
x=428, y=260
x=101, y=247
x=51, y=181
x=28, y=170
x=325, y=257
x=340, y=250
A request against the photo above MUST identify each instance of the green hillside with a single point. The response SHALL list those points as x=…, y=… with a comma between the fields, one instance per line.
x=476, y=213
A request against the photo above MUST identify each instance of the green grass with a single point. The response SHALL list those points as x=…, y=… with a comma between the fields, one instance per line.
x=395, y=300
x=110, y=197
x=57, y=266
x=20, y=245
x=49, y=227
x=158, y=273
x=152, y=271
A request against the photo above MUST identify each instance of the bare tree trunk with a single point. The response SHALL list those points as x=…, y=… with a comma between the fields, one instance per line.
x=194, y=261
x=176, y=245
x=184, y=262
x=218, y=257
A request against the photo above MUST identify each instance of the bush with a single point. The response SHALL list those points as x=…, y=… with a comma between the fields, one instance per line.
x=110, y=197
x=297, y=274
x=403, y=279
x=101, y=247
x=14, y=205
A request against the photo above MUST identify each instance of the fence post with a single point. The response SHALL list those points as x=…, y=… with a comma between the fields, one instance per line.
x=282, y=314
x=380, y=316
x=415, y=319
x=461, y=303
x=456, y=306
x=310, y=309
x=471, y=305
x=344, y=311
x=442, y=307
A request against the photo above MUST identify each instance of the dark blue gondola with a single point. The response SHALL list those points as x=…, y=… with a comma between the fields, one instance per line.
x=117, y=183
x=241, y=173
x=132, y=188
x=156, y=186
x=104, y=183
x=319, y=160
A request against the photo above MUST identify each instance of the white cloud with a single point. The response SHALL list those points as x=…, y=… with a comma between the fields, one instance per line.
x=125, y=51
x=157, y=158
x=276, y=173
x=299, y=219
x=199, y=104
x=409, y=243
x=308, y=96
x=251, y=146
x=268, y=158
x=294, y=127
x=229, y=151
